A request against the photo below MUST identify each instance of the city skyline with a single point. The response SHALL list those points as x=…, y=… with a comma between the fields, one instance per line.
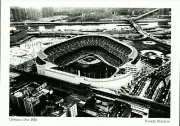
x=23, y=14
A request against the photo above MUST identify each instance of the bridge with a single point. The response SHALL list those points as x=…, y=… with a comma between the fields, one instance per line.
x=146, y=14
x=138, y=28
x=144, y=33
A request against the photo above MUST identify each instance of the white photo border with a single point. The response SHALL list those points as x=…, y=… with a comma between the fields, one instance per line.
x=5, y=39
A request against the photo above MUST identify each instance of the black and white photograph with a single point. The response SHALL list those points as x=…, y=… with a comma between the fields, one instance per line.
x=110, y=62
x=98, y=62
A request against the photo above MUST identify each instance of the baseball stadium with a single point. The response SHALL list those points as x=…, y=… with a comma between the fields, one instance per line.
x=95, y=60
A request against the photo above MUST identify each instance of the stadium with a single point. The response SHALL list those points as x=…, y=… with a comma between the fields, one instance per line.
x=95, y=60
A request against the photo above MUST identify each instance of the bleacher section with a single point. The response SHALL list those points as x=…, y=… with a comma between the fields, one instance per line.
x=110, y=45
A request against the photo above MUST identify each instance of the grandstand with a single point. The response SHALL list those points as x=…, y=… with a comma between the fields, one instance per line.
x=90, y=59
x=112, y=46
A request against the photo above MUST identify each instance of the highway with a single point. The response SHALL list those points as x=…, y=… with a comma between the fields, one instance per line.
x=144, y=15
x=157, y=77
x=165, y=97
x=149, y=83
x=144, y=33
x=148, y=35
x=139, y=87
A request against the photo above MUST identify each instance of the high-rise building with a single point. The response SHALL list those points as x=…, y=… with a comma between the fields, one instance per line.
x=164, y=13
x=17, y=103
x=70, y=105
x=35, y=103
x=71, y=108
x=30, y=103
x=47, y=12
x=32, y=14
x=17, y=14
